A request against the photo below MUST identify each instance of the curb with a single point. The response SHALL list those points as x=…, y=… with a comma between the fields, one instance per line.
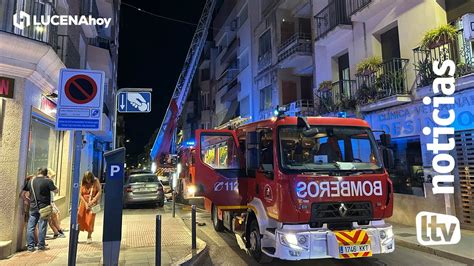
x=437, y=252
x=196, y=257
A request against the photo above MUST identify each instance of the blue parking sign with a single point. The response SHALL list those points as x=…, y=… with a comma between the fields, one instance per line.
x=134, y=101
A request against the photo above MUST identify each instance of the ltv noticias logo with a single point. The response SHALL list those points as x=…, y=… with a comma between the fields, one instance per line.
x=437, y=229
x=21, y=20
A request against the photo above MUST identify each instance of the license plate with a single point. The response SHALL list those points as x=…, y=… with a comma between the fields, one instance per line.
x=354, y=249
x=353, y=244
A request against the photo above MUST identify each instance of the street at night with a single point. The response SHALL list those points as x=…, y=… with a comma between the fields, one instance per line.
x=236, y=132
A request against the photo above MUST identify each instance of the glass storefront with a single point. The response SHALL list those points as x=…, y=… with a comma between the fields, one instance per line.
x=407, y=173
x=43, y=145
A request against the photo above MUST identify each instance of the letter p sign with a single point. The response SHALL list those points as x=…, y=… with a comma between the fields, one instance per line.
x=115, y=171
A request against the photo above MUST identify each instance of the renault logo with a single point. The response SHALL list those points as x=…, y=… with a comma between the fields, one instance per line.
x=342, y=210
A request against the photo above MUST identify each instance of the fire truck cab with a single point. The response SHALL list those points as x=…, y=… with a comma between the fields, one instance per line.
x=298, y=187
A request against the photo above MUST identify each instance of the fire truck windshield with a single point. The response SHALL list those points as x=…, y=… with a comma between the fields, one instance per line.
x=328, y=148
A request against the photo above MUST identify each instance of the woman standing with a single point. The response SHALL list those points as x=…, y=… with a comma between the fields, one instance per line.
x=90, y=196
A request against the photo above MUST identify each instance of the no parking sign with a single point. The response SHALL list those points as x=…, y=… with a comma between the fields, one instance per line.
x=80, y=99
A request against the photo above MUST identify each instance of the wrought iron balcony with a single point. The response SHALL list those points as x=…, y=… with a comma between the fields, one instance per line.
x=264, y=60
x=299, y=43
x=389, y=80
x=355, y=6
x=333, y=15
x=100, y=42
x=301, y=108
x=228, y=76
x=340, y=97
x=43, y=33
x=459, y=50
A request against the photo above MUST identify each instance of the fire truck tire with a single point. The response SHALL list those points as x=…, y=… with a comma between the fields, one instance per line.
x=255, y=244
x=218, y=224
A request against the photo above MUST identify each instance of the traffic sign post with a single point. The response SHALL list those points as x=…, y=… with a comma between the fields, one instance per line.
x=80, y=103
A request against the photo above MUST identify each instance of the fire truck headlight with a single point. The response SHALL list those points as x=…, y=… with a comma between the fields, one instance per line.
x=294, y=241
x=383, y=234
x=191, y=190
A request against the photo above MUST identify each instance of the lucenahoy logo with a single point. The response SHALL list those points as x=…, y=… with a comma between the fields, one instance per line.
x=21, y=20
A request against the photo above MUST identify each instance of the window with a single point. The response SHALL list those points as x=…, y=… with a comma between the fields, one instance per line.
x=2, y=115
x=266, y=150
x=243, y=16
x=205, y=74
x=219, y=151
x=407, y=173
x=265, y=43
x=266, y=98
x=244, y=107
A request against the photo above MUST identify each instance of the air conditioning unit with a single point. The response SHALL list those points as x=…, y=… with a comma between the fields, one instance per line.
x=468, y=26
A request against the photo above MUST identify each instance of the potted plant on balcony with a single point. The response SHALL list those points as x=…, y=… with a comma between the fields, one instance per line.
x=439, y=36
x=369, y=66
x=325, y=85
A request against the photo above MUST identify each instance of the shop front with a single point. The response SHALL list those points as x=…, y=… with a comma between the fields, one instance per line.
x=412, y=172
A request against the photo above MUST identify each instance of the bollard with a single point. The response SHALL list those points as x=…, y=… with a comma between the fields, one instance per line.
x=158, y=240
x=193, y=226
x=174, y=203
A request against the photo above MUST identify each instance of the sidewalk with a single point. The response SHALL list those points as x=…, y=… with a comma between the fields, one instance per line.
x=137, y=246
x=462, y=252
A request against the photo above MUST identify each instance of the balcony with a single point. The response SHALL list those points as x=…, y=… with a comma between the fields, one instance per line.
x=46, y=34
x=264, y=61
x=89, y=8
x=298, y=8
x=68, y=52
x=460, y=51
x=355, y=6
x=385, y=87
x=333, y=15
x=100, y=42
x=296, y=52
x=341, y=96
x=301, y=108
x=228, y=77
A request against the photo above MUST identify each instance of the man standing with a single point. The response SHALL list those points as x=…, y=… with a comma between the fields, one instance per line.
x=39, y=189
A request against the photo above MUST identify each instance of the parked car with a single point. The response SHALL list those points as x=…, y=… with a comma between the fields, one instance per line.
x=143, y=188
x=165, y=181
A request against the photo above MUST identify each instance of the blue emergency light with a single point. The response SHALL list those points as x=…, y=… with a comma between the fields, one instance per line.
x=342, y=114
x=190, y=143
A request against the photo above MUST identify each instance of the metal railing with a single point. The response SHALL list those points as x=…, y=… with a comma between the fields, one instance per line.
x=355, y=6
x=43, y=33
x=459, y=50
x=229, y=75
x=301, y=108
x=100, y=42
x=340, y=97
x=333, y=15
x=297, y=43
x=68, y=52
x=89, y=7
x=264, y=60
x=390, y=79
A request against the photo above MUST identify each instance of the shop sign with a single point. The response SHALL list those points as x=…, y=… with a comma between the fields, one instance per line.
x=6, y=87
x=409, y=120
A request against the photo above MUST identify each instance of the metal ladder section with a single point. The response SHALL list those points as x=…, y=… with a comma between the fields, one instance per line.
x=181, y=91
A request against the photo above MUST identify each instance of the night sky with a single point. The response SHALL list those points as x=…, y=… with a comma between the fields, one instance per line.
x=151, y=54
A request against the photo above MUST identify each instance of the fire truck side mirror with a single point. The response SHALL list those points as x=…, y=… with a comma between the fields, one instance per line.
x=388, y=159
x=385, y=139
x=251, y=153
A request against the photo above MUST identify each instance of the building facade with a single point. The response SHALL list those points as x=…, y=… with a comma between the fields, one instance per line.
x=390, y=95
x=30, y=61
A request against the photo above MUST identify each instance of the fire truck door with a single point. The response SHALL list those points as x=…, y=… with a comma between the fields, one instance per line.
x=218, y=168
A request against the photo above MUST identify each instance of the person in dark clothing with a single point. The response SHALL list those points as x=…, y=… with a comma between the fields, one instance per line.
x=39, y=188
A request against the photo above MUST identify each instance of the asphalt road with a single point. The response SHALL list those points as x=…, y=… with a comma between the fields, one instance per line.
x=224, y=248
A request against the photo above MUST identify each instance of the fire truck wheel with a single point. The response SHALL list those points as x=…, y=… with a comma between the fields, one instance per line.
x=255, y=244
x=218, y=224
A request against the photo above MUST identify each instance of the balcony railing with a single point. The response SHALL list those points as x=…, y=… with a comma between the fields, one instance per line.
x=89, y=7
x=355, y=6
x=460, y=51
x=301, y=108
x=68, y=52
x=298, y=43
x=340, y=97
x=333, y=15
x=100, y=42
x=264, y=60
x=389, y=80
x=44, y=33
x=229, y=75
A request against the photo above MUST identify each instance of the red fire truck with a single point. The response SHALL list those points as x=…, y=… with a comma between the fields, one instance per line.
x=298, y=188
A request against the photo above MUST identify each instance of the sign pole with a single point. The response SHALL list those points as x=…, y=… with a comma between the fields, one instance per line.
x=74, y=227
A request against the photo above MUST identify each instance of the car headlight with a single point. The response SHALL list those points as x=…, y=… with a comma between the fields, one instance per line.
x=294, y=241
